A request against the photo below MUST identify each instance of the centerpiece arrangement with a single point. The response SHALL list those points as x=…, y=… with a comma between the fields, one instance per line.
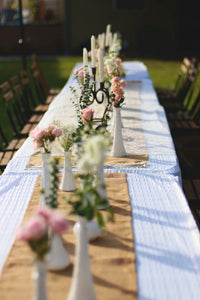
x=42, y=143
x=100, y=83
x=37, y=233
x=66, y=142
x=85, y=205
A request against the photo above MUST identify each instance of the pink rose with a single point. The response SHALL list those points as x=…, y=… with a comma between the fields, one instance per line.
x=123, y=83
x=37, y=144
x=53, y=130
x=87, y=115
x=58, y=223
x=80, y=72
x=57, y=131
x=37, y=133
x=34, y=229
x=115, y=80
x=44, y=212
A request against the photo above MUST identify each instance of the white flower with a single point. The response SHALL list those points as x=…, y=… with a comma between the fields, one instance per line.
x=116, y=47
x=110, y=64
x=84, y=165
x=95, y=149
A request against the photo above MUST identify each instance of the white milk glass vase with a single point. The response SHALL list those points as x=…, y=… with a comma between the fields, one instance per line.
x=45, y=183
x=39, y=279
x=118, y=149
x=67, y=182
x=93, y=229
x=58, y=257
x=113, y=121
x=82, y=282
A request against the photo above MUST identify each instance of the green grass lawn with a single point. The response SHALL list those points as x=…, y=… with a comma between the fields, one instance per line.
x=58, y=69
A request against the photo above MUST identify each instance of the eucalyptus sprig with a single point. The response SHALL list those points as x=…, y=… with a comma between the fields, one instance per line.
x=51, y=199
x=86, y=201
x=85, y=99
x=81, y=96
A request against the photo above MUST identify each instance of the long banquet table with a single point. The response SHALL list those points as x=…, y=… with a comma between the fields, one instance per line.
x=166, y=238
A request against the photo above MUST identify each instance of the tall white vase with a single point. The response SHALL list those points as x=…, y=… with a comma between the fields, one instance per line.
x=45, y=183
x=58, y=258
x=93, y=229
x=67, y=182
x=39, y=278
x=113, y=122
x=118, y=149
x=82, y=281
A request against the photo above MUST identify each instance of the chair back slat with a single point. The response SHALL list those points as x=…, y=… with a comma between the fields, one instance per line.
x=17, y=88
x=4, y=87
x=8, y=96
x=14, y=80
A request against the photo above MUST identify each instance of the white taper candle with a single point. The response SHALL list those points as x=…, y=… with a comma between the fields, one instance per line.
x=93, y=54
x=101, y=67
x=108, y=30
x=85, y=57
x=102, y=41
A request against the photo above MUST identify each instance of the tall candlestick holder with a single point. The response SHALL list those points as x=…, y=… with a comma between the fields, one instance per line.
x=101, y=95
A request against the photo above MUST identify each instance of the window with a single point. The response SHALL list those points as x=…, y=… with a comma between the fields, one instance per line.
x=33, y=11
x=130, y=4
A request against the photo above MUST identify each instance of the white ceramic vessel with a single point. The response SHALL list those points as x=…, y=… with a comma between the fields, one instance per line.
x=118, y=149
x=82, y=287
x=58, y=258
x=67, y=182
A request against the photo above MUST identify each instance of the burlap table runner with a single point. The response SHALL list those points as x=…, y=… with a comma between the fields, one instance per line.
x=112, y=255
x=131, y=159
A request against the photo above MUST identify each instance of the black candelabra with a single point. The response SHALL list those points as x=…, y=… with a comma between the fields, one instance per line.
x=101, y=95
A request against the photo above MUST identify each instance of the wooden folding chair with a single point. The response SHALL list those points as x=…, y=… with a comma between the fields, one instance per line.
x=167, y=93
x=186, y=122
x=30, y=96
x=43, y=82
x=10, y=101
x=176, y=104
x=8, y=148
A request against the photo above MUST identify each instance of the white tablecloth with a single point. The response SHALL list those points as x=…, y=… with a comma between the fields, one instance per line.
x=167, y=241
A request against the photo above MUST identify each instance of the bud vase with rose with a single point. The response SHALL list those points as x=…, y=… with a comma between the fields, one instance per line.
x=66, y=142
x=117, y=94
x=42, y=140
x=35, y=232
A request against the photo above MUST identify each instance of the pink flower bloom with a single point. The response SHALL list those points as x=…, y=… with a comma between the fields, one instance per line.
x=37, y=133
x=117, y=89
x=123, y=83
x=34, y=229
x=58, y=223
x=115, y=80
x=80, y=72
x=118, y=62
x=87, y=115
x=37, y=144
x=57, y=131
x=44, y=212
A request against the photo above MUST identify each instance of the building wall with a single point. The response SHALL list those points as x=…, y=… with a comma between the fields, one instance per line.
x=150, y=31
x=41, y=39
